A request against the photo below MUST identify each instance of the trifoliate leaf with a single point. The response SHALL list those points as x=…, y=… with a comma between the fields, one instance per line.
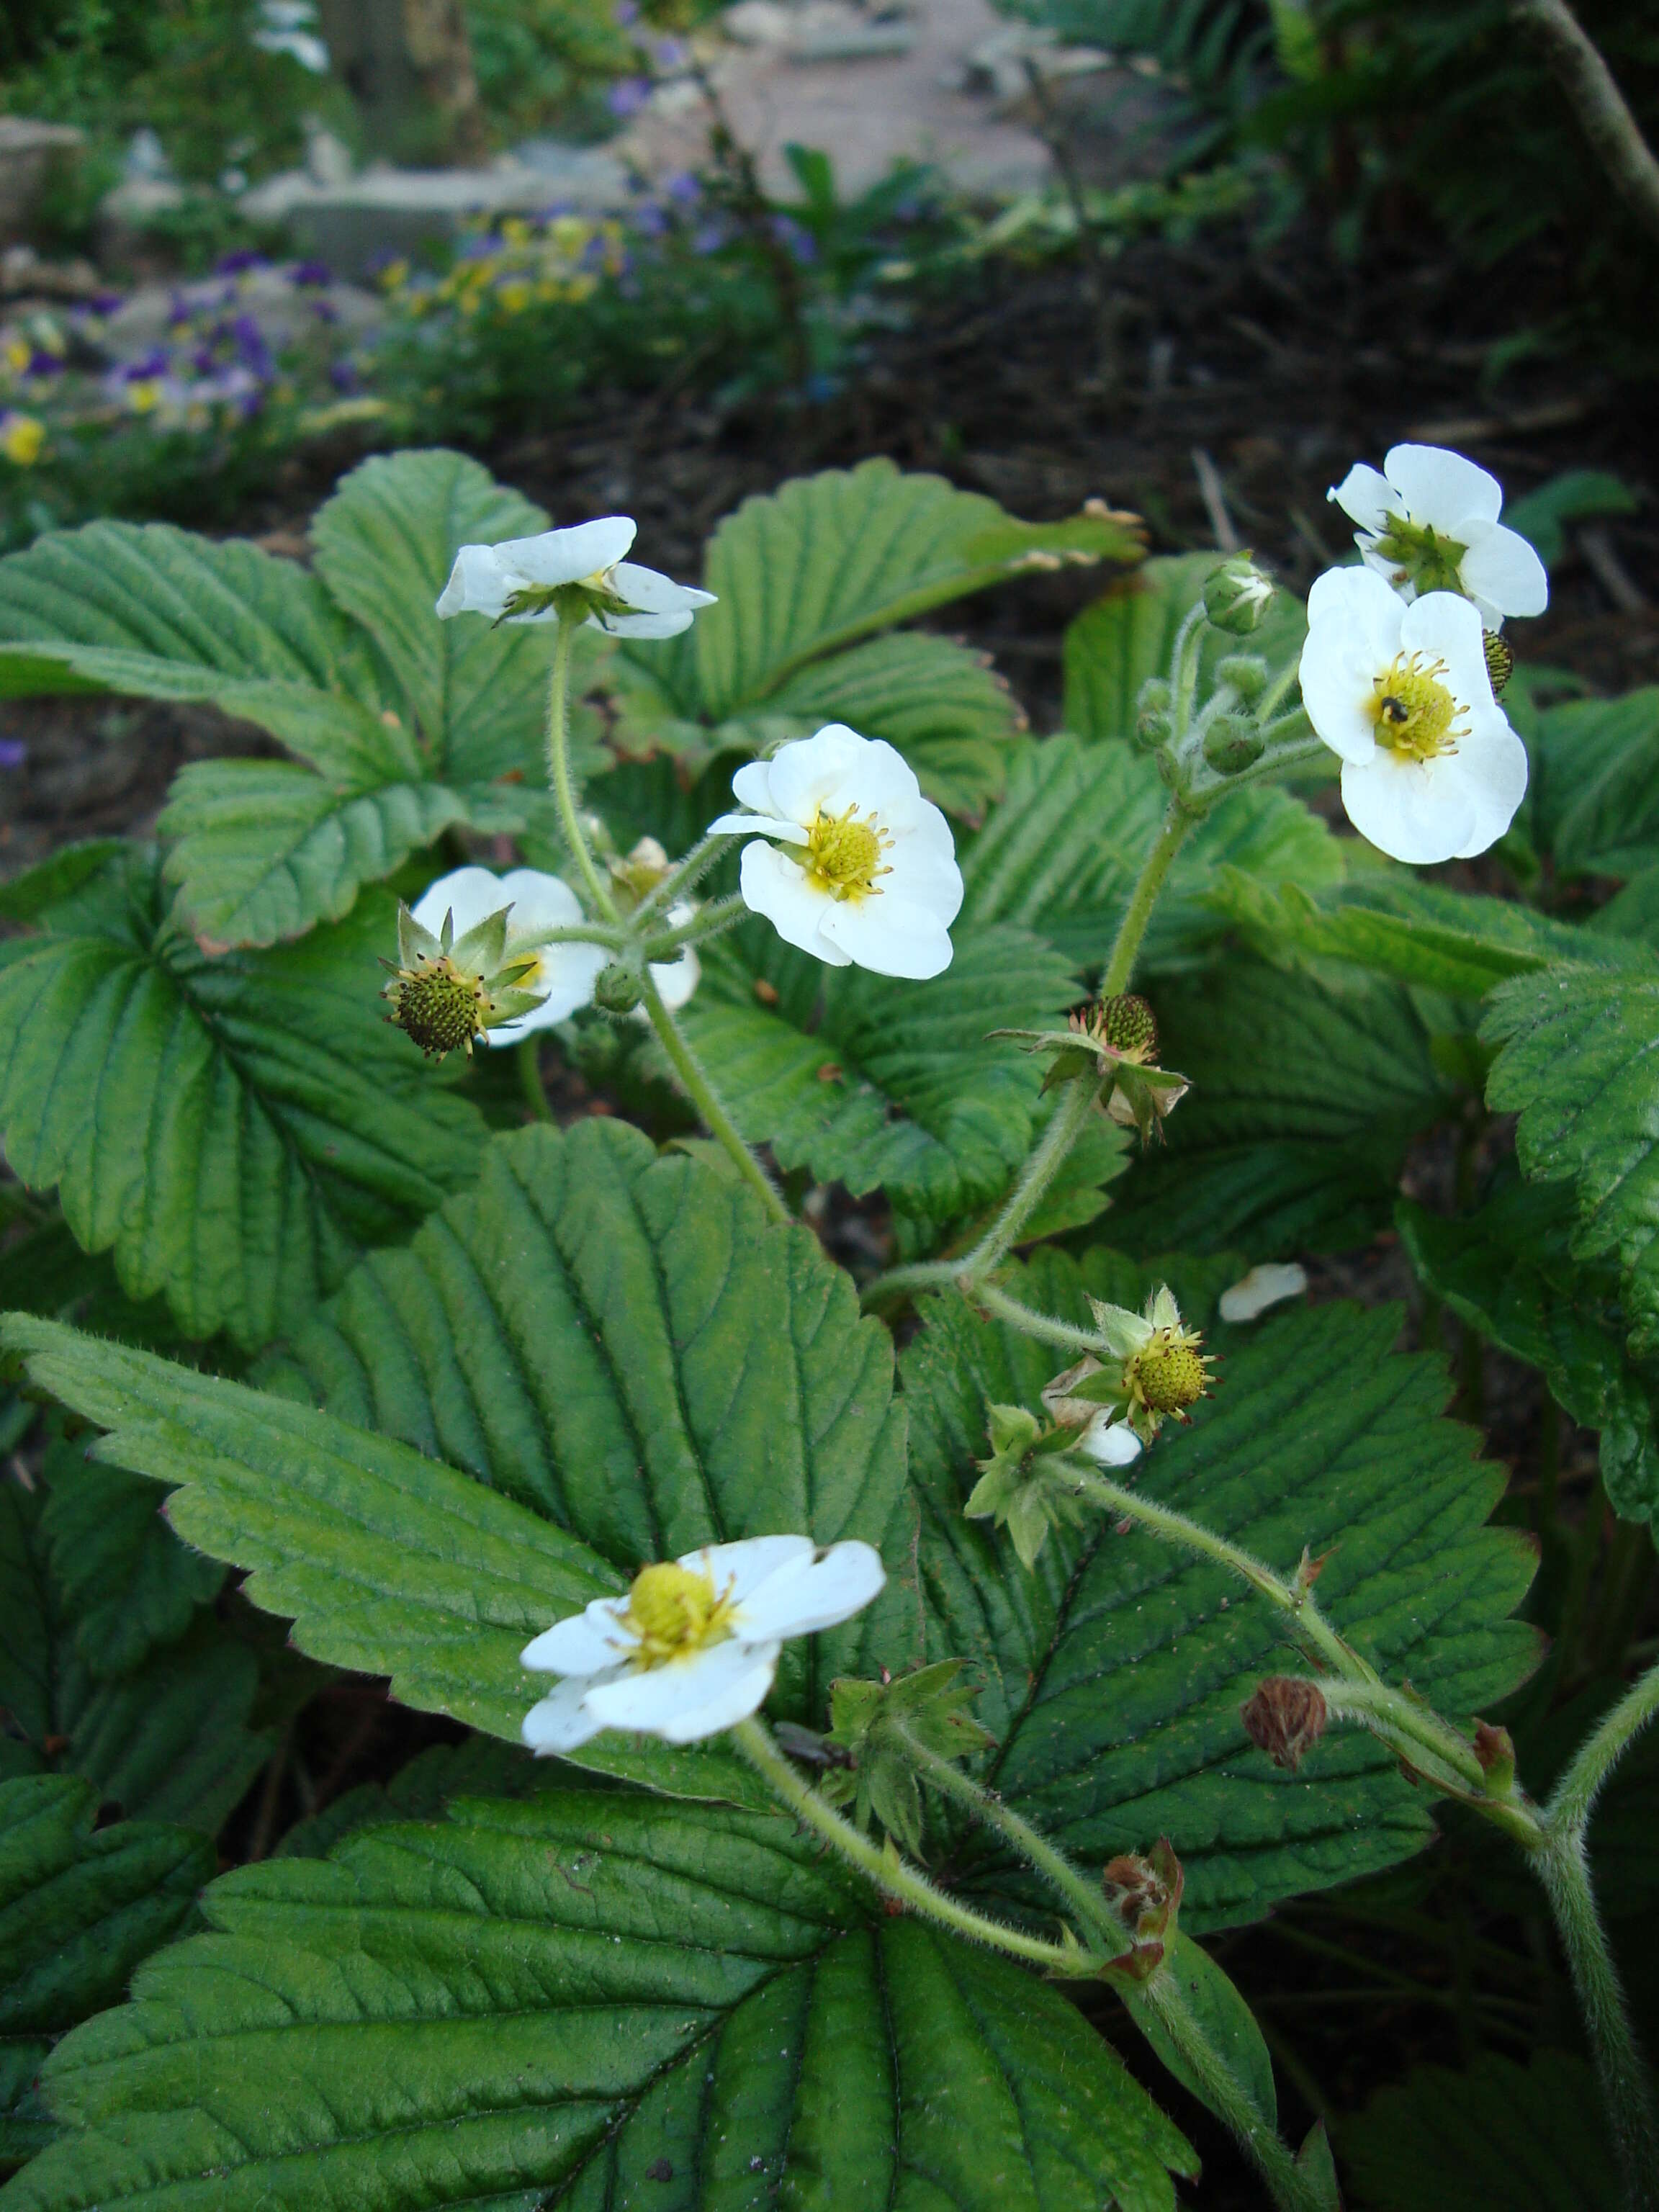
x=607, y=1343
x=875, y=1083
x=237, y=1130
x=80, y=1909
x=1508, y=1270
x=1114, y=1675
x=588, y=2000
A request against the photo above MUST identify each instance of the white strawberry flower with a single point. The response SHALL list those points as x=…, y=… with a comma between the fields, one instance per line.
x=518, y=580
x=565, y=973
x=1431, y=769
x=1428, y=522
x=864, y=869
x=693, y=1646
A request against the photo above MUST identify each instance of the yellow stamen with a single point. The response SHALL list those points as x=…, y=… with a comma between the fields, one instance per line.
x=1415, y=711
x=843, y=855
x=674, y=1612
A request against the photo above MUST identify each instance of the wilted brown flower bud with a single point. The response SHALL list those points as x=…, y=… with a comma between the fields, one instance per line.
x=1285, y=1717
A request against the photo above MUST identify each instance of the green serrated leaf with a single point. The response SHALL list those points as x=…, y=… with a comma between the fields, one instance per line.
x=1129, y=634
x=125, y=1582
x=478, y=1766
x=587, y=2001
x=167, y=1740
x=1061, y=851
x=832, y=559
x=1530, y=2138
x=872, y=1082
x=1114, y=1673
x=238, y=1129
x=1580, y=1064
x=1594, y=803
x=79, y=1910
x=1304, y=1100
x=263, y=850
x=1508, y=1270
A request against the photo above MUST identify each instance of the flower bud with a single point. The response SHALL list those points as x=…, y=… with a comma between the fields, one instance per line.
x=1495, y=1750
x=1236, y=594
x=1248, y=673
x=617, y=989
x=1286, y=1718
x=1154, y=726
x=1232, y=745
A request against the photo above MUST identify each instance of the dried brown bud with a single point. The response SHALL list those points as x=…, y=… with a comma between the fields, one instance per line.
x=1286, y=1718
x=1496, y=1752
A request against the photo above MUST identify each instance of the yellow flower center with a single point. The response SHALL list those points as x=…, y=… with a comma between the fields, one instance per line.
x=674, y=1612
x=1168, y=1374
x=843, y=855
x=1414, y=712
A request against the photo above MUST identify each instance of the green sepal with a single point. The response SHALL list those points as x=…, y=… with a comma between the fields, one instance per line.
x=879, y=1725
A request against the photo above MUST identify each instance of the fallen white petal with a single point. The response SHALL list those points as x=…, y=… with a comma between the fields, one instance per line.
x=1265, y=1286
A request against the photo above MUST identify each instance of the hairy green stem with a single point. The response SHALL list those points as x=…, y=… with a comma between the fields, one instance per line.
x=1299, y=1604
x=1048, y=1155
x=707, y=921
x=1627, y=2084
x=1575, y=1793
x=572, y=932
x=1086, y=1900
x=683, y=873
x=1144, y=897
x=1290, y=2190
x=889, y=1873
x=1045, y=1327
x=558, y=769
x=1183, y=670
x=701, y=1092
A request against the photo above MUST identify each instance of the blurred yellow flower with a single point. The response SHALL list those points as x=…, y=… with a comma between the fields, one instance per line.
x=22, y=439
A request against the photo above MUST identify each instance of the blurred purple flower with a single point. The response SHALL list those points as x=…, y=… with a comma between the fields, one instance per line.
x=709, y=237
x=179, y=311
x=13, y=753
x=310, y=273
x=106, y=303
x=683, y=189
x=342, y=374
x=251, y=346
x=670, y=53
x=243, y=256
x=628, y=96
x=802, y=245
x=326, y=311
x=42, y=363
x=627, y=11
x=149, y=366
x=649, y=220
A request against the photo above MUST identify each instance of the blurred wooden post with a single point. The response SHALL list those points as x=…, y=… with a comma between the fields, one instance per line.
x=408, y=65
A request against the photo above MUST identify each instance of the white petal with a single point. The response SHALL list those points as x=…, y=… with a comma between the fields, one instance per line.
x=807, y=773
x=1443, y=627
x=676, y=980
x=1441, y=488
x=642, y=625
x=540, y=901
x=752, y=787
x=478, y=584
x=1336, y=673
x=1493, y=762
x=570, y=556
x=888, y=935
x=584, y=1643
x=1113, y=1443
x=768, y=825
x=690, y=1698
x=741, y=1566
x=566, y=974
x=1366, y=602
x=1410, y=810
x=647, y=592
x=469, y=893
x=1364, y=495
x=802, y=1597
x=775, y=886
x=1503, y=571
x=562, y=1721
x=1264, y=1286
